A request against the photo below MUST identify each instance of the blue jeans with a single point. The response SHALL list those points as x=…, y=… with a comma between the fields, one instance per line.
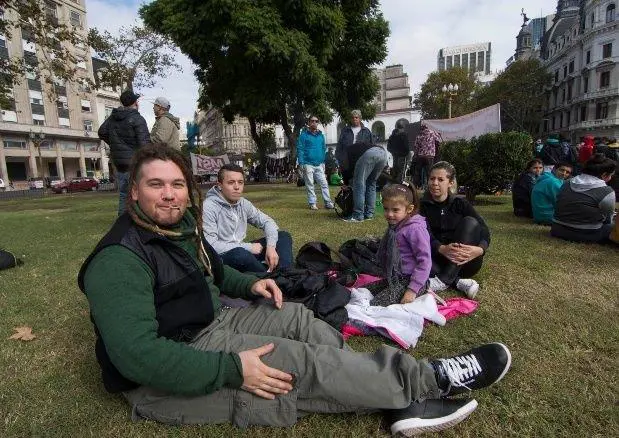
x=244, y=261
x=313, y=174
x=122, y=181
x=367, y=169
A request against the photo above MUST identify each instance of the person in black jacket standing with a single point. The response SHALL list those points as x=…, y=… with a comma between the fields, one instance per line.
x=459, y=236
x=125, y=130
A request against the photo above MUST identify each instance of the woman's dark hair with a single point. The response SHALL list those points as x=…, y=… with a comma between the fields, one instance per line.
x=447, y=167
x=533, y=162
x=160, y=151
x=401, y=193
x=598, y=165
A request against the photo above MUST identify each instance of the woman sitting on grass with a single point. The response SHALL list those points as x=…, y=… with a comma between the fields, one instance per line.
x=404, y=251
x=585, y=204
x=459, y=237
x=523, y=186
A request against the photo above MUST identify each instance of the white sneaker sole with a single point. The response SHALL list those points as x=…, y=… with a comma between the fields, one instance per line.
x=509, y=361
x=416, y=426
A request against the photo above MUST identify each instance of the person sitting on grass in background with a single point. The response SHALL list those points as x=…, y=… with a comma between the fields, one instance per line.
x=165, y=343
x=459, y=236
x=311, y=154
x=225, y=215
x=586, y=203
x=545, y=191
x=523, y=186
x=404, y=251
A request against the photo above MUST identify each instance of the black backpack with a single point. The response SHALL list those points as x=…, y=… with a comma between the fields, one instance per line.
x=344, y=202
x=8, y=260
x=363, y=252
x=318, y=257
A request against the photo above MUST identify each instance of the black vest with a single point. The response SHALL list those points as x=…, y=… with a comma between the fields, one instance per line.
x=182, y=298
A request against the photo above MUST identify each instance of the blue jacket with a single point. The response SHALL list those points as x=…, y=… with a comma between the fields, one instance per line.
x=311, y=148
x=544, y=197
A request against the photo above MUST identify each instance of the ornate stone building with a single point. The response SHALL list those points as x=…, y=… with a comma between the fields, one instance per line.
x=581, y=51
x=41, y=137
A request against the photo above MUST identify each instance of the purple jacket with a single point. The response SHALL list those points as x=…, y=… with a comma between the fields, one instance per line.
x=414, y=245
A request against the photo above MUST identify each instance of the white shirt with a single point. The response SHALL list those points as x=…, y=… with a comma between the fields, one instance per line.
x=355, y=131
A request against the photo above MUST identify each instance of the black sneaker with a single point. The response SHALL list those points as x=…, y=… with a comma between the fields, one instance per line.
x=480, y=367
x=429, y=416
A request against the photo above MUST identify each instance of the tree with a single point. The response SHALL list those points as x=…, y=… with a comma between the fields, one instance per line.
x=136, y=57
x=55, y=64
x=487, y=163
x=274, y=61
x=519, y=90
x=434, y=103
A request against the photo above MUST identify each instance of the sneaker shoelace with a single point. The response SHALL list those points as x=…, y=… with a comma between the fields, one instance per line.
x=461, y=370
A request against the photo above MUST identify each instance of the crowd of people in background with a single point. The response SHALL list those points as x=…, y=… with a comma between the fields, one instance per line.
x=571, y=188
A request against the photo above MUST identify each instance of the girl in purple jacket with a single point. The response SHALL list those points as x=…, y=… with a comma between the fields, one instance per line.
x=404, y=251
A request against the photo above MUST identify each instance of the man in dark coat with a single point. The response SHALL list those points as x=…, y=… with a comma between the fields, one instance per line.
x=125, y=131
x=399, y=148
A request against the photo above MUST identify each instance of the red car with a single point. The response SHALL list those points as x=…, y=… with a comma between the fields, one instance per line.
x=76, y=185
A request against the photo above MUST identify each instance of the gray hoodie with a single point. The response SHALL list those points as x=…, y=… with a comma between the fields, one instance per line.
x=225, y=224
x=585, y=202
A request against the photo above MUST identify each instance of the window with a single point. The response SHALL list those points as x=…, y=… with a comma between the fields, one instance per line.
x=610, y=13
x=591, y=20
x=28, y=47
x=64, y=122
x=50, y=9
x=76, y=19
x=15, y=144
x=569, y=91
x=38, y=119
x=601, y=110
x=36, y=97
x=31, y=75
x=605, y=79
x=88, y=125
x=62, y=102
x=563, y=96
x=588, y=57
x=564, y=71
x=583, y=113
x=68, y=146
x=585, y=84
x=571, y=67
x=480, y=61
x=607, y=50
x=556, y=75
x=85, y=106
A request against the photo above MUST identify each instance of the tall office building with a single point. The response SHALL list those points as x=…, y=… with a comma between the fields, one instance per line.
x=41, y=137
x=476, y=57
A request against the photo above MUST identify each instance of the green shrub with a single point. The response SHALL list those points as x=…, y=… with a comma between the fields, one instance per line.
x=487, y=163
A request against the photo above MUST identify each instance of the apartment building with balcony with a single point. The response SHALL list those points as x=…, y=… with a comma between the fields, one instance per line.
x=581, y=51
x=41, y=137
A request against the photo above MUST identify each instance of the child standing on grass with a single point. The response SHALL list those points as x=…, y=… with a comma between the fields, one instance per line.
x=404, y=251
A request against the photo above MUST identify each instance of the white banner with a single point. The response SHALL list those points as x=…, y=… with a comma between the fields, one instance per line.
x=480, y=122
x=204, y=164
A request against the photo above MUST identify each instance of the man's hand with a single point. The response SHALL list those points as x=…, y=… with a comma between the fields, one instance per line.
x=260, y=379
x=271, y=257
x=267, y=288
x=256, y=248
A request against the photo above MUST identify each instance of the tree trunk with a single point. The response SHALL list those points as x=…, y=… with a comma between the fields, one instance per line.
x=292, y=140
x=262, y=156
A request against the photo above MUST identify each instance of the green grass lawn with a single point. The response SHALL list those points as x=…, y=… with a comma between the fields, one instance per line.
x=553, y=303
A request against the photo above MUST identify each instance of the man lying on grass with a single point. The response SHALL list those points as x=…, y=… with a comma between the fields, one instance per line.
x=165, y=342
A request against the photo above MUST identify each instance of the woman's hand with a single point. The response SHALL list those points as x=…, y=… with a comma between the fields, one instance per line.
x=466, y=253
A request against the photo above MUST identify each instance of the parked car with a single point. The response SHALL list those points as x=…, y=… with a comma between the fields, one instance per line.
x=36, y=183
x=51, y=181
x=76, y=185
x=2, y=185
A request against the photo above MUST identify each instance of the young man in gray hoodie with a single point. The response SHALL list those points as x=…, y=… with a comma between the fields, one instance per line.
x=225, y=215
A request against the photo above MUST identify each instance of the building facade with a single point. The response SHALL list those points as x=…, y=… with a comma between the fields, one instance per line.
x=581, y=51
x=41, y=137
x=474, y=57
x=228, y=138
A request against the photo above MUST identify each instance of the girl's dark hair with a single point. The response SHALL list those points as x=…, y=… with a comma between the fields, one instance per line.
x=160, y=151
x=598, y=165
x=532, y=162
x=402, y=193
x=447, y=167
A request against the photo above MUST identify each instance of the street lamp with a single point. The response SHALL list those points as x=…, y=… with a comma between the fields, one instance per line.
x=37, y=138
x=451, y=90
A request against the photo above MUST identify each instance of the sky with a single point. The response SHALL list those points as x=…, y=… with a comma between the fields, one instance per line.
x=419, y=28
